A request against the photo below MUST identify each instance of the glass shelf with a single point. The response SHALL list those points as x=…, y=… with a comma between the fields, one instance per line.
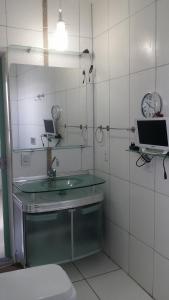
x=58, y=184
x=157, y=153
x=29, y=49
x=53, y=148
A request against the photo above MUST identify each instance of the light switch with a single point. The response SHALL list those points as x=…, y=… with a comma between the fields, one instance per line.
x=33, y=141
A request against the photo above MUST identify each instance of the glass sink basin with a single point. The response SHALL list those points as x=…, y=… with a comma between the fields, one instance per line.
x=58, y=184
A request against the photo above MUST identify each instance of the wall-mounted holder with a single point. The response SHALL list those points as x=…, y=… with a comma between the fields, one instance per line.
x=50, y=138
x=100, y=131
x=40, y=97
x=147, y=156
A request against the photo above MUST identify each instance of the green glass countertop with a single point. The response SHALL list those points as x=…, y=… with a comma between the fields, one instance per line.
x=58, y=184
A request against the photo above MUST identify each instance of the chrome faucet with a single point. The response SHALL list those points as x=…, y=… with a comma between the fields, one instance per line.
x=51, y=172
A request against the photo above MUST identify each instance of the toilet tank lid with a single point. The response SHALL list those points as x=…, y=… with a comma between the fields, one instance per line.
x=49, y=282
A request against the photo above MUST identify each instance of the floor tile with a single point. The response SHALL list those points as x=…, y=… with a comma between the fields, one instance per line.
x=117, y=285
x=95, y=265
x=84, y=292
x=72, y=272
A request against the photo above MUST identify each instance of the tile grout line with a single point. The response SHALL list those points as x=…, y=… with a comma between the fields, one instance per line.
x=155, y=165
x=130, y=136
x=93, y=290
x=133, y=73
x=124, y=19
x=78, y=269
x=85, y=280
x=132, y=182
x=102, y=274
x=45, y=31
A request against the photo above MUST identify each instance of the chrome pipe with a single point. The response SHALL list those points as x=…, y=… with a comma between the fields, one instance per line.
x=7, y=112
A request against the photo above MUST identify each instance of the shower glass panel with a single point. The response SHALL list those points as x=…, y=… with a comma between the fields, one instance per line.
x=2, y=254
x=4, y=212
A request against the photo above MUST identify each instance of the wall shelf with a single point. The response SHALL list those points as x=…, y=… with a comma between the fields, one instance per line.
x=149, y=152
x=29, y=49
x=53, y=148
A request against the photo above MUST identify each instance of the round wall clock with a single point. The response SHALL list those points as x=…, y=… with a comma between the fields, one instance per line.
x=56, y=112
x=151, y=105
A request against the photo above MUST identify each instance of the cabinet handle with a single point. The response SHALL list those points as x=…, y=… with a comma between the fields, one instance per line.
x=42, y=218
x=89, y=210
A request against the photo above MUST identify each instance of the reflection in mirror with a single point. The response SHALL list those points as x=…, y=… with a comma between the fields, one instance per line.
x=48, y=105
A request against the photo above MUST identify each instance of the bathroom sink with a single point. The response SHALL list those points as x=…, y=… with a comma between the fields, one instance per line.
x=58, y=183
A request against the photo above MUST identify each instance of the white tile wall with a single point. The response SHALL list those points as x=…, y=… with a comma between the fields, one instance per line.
x=161, y=185
x=136, y=5
x=142, y=30
x=101, y=105
x=117, y=11
x=24, y=14
x=2, y=13
x=142, y=214
x=162, y=39
x=119, y=102
x=161, y=278
x=85, y=19
x=24, y=37
x=3, y=41
x=119, y=246
x=163, y=88
x=119, y=202
x=133, y=42
x=119, y=50
x=107, y=198
x=161, y=225
x=101, y=59
x=141, y=259
x=119, y=157
x=102, y=154
x=140, y=84
x=100, y=20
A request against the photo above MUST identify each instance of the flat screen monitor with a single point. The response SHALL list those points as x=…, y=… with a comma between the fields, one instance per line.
x=153, y=133
x=49, y=127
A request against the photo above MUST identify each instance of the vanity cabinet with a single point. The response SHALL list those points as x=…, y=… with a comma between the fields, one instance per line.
x=58, y=233
x=87, y=230
x=47, y=237
x=63, y=236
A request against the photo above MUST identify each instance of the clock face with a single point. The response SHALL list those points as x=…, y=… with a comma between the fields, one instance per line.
x=151, y=105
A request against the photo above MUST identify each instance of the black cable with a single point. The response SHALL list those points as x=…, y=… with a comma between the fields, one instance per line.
x=58, y=142
x=146, y=160
x=42, y=141
x=165, y=173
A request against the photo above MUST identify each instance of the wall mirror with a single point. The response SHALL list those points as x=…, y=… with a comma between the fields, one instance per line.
x=40, y=94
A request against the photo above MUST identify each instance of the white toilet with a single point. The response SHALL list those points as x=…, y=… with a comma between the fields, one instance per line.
x=49, y=282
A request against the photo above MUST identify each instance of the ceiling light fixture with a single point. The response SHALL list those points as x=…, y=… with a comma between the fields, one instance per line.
x=61, y=36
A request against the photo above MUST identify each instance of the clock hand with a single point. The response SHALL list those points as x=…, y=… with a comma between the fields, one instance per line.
x=153, y=107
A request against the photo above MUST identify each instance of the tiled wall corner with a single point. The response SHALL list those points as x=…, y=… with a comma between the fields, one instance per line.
x=131, y=48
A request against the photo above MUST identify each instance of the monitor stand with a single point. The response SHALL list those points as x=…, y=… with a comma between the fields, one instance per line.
x=151, y=151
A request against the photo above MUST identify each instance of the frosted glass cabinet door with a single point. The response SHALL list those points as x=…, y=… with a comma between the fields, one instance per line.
x=87, y=230
x=48, y=238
